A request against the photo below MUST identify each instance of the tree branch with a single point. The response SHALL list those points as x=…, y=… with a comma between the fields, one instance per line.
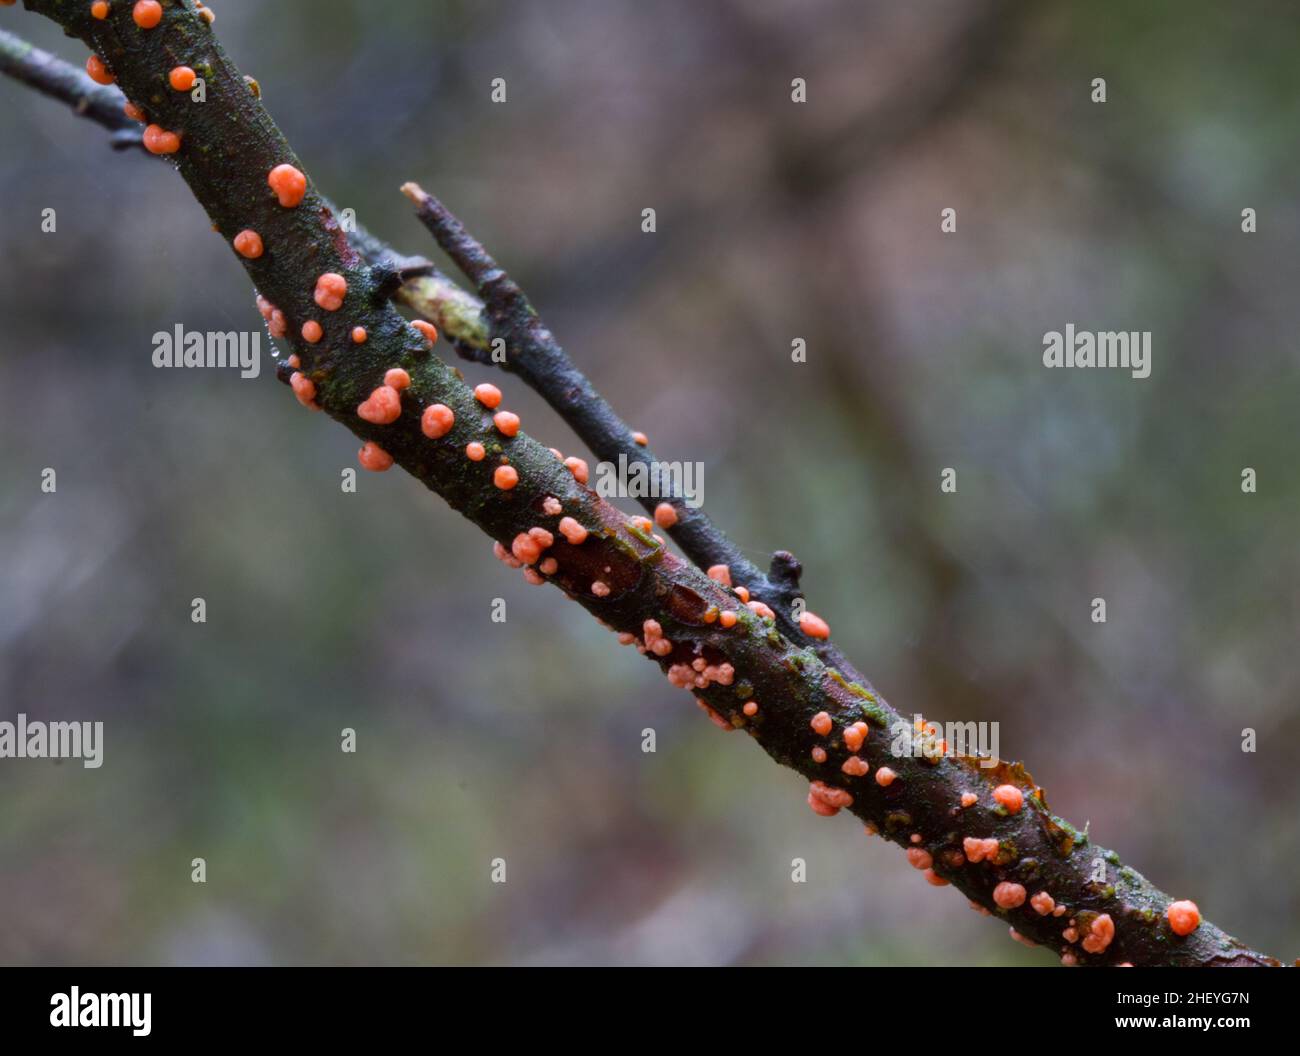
x=745, y=672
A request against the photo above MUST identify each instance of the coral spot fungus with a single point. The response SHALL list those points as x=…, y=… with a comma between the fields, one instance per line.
x=248, y=243
x=1010, y=797
x=1184, y=917
x=330, y=290
x=97, y=71
x=181, y=78
x=147, y=13
x=374, y=458
x=505, y=477
x=437, y=420
x=382, y=407
x=488, y=395
x=289, y=185
x=157, y=140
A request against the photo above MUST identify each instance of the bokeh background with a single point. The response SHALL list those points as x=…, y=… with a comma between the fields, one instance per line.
x=522, y=740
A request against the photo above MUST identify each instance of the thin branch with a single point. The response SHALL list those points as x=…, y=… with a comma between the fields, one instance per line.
x=745, y=673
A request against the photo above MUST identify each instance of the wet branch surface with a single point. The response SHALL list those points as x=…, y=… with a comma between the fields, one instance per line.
x=621, y=572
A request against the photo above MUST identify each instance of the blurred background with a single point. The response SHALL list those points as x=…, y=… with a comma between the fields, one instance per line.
x=478, y=740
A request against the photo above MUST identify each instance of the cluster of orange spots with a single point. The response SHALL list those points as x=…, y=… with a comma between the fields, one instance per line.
x=758, y=608
x=528, y=546
x=430, y=333
x=819, y=754
x=359, y=335
x=742, y=593
x=97, y=71
x=275, y=321
x=727, y=618
x=205, y=12
x=1010, y=797
x=248, y=243
x=980, y=850
x=641, y=524
x=919, y=858
x=578, y=467
x=600, y=589
x=147, y=13
x=856, y=735
x=99, y=9
x=1184, y=917
x=1070, y=934
x=655, y=641
x=821, y=723
x=437, y=420
x=814, y=626
x=551, y=506
x=1043, y=903
x=701, y=674
x=382, y=407
x=134, y=113
x=575, y=533
x=854, y=766
x=294, y=361
x=827, y=800
x=534, y=577
x=507, y=422
x=304, y=390
x=330, y=290
x=665, y=515
x=505, y=477
x=488, y=395
x=289, y=185
x=374, y=458
x=549, y=565
x=475, y=451
x=720, y=574
x=311, y=331
x=397, y=378
x=750, y=708
x=182, y=78
x=933, y=878
x=640, y=438
x=885, y=777
x=1101, y=932
x=969, y=799
x=1009, y=894
x=157, y=140
x=714, y=717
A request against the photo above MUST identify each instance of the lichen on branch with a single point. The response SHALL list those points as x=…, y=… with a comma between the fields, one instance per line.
x=736, y=648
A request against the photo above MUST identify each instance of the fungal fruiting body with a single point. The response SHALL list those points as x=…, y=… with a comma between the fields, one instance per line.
x=358, y=335
x=854, y=766
x=304, y=389
x=289, y=185
x=575, y=533
x=855, y=736
x=827, y=800
x=821, y=723
x=147, y=13
x=750, y=708
x=551, y=506
x=1042, y=903
x=374, y=458
x=727, y=618
x=397, y=378
x=437, y=420
x=578, y=467
x=1010, y=797
x=181, y=78
x=505, y=477
x=885, y=777
x=814, y=626
x=980, y=850
x=507, y=422
x=475, y=451
x=919, y=858
x=819, y=754
x=430, y=334
x=1184, y=917
x=714, y=717
x=330, y=290
x=99, y=9
x=600, y=589
x=488, y=395
x=97, y=71
x=720, y=574
x=248, y=243
x=157, y=140
x=665, y=515
x=382, y=407
x=640, y=438
x=1009, y=895
x=969, y=799
x=311, y=331
x=134, y=113
x=1100, y=934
